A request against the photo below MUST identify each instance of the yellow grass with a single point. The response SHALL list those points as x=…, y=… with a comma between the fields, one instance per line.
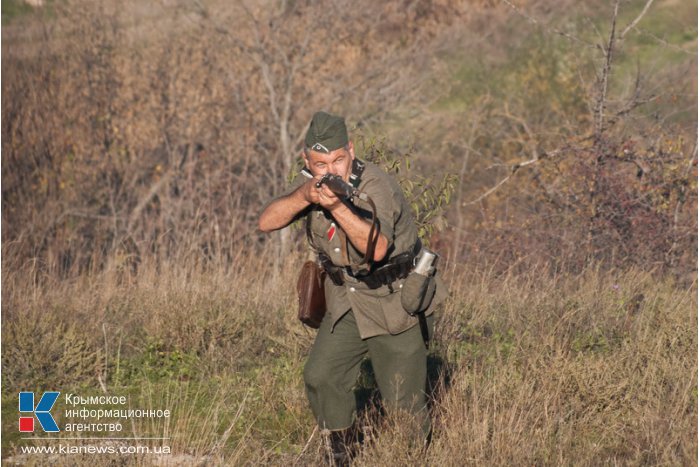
x=532, y=369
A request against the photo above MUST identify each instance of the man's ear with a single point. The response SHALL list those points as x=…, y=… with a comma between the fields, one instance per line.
x=351, y=150
x=306, y=160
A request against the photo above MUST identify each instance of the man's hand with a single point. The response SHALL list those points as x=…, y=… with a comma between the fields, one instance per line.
x=327, y=199
x=310, y=192
x=356, y=228
x=281, y=211
x=322, y=196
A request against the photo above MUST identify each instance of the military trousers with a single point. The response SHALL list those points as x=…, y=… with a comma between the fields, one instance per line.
x=399, y=363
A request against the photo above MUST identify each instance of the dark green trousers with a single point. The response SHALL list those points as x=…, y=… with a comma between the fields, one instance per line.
x=399, y=363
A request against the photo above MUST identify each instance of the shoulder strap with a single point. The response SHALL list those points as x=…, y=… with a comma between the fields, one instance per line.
x=309, y=236
x=355, y=178
x=358, y=167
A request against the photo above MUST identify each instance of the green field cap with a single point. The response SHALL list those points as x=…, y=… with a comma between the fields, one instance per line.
x=326, y=133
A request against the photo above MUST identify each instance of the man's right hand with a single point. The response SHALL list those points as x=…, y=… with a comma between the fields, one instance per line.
x=322, y=196
x=309, y=191
x=281, y=211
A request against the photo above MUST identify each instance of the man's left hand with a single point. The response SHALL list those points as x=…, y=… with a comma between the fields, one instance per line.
x=328, y=199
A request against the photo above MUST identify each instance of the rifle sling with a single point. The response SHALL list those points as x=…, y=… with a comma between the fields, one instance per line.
x=357, y=168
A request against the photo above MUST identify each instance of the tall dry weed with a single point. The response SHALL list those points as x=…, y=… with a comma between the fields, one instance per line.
x=526, y=369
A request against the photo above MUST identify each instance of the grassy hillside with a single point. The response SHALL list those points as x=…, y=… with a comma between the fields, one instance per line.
x=141, y=139
x=534, y=369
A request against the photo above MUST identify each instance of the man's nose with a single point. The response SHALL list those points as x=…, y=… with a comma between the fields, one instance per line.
x=332, y=170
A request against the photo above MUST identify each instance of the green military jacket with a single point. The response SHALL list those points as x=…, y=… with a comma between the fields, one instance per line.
x=377, y=311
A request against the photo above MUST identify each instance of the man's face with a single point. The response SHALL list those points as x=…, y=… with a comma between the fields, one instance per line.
x=338, y=162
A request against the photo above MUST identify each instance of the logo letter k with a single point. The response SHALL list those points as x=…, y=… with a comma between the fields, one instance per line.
x=48, y=399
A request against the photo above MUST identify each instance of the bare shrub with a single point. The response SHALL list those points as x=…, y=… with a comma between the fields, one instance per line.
x=133, y=132
x=65, y=356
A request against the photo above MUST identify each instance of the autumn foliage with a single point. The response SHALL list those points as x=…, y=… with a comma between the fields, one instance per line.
x=547, y=148
x=133, y=133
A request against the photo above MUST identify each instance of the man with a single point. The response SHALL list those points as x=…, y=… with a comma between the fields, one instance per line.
x=364, y=311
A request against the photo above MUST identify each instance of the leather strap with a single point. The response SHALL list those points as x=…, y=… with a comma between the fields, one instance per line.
x=358, y=167
x=423, y=323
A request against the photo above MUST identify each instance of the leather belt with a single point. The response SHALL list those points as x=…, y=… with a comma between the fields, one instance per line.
x=397, y=267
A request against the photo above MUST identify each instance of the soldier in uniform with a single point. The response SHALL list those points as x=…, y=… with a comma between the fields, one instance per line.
x=365, y=316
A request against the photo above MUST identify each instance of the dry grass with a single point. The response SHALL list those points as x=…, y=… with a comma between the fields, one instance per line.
x=132, y=177
x=598, y=368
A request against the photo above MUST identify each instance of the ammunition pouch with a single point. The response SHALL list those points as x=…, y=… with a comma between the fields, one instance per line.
x=333, y=271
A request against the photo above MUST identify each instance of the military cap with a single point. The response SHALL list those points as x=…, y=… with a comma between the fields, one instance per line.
x=326, y=133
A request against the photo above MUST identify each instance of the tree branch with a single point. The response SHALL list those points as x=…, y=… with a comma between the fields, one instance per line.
x=549, y=29
x=603, y=90
x=637, y=19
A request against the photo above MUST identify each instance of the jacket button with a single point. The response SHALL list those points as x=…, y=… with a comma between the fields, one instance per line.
x=336, y=249
x=352, y=289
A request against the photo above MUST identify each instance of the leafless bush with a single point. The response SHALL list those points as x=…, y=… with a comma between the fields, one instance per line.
x=160, y=131
x=572, y=157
